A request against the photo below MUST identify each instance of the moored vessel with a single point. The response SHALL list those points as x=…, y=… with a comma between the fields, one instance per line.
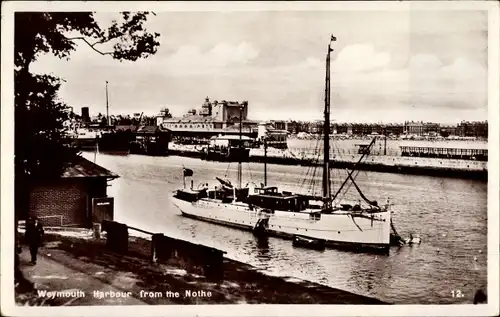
x=361, y=226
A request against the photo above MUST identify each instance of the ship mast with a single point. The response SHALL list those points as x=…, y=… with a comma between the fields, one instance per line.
x=240, y=151
x=107, y=105
x=326, y=131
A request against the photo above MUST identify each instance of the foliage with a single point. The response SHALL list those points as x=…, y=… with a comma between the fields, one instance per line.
x=41, y=143
x=38, y=33
x=40, y=146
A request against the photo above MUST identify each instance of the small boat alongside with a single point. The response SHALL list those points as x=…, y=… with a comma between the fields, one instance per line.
x=301, y=241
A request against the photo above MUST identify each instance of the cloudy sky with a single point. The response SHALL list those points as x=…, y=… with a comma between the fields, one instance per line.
x=387, y=66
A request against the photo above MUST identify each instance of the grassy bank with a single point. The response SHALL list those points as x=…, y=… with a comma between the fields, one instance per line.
x=134, y=272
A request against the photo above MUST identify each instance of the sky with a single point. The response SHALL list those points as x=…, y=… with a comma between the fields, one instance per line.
x=387, y=66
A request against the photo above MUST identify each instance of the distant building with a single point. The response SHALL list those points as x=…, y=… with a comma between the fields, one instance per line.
x=85, y=115
x=293, y=127
x=430, y=128
x=394, y=129
x=279, y=124
x=68, y=200
x=416, y=128
x=473, y=129
x=274, y=137
x=445, y=130
x=214, y=118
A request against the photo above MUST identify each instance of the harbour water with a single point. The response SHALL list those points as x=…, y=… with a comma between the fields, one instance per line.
x=450, y=215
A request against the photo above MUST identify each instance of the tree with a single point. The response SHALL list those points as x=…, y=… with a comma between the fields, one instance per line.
x=41, y=146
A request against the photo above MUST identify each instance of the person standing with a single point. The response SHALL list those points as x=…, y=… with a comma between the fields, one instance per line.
x=34, y=235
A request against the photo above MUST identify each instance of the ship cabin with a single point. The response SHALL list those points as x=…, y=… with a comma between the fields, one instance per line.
x=270, y=198
x=190, y=195
x=226, y=195
x=363, y=148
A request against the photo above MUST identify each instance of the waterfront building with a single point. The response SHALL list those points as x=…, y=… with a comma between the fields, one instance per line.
x=69, y=200
x=279, y=124
x=293, y=127
x=212, y=119
x=340, y=128
x=361, y=129
x=430, y=128
x=394, y=129
x=276, y=138
x=445, y=130
x=415, y=128
x=473, y=129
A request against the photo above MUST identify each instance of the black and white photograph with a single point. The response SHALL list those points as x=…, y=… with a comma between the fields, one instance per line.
x=250, y=158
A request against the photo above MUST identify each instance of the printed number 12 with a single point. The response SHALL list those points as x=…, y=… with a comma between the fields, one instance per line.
x=457, y=293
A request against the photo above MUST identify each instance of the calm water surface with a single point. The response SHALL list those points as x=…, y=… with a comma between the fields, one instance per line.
x=449, y=214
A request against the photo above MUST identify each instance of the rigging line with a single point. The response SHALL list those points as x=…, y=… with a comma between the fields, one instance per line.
x=310, y=167
x=250, y=171
x=352, y=218
x=360, y=192
x=310, y=176
x=350, y=184
x=354, y=168
x=304, y=178
x=227, y=170
x=312, y=182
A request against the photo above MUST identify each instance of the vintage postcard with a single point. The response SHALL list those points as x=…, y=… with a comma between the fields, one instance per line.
x=250, y=158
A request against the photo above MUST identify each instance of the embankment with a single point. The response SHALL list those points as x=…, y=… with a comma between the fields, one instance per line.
x=241, y=283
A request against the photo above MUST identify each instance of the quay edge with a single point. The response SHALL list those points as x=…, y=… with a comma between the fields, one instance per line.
x=384, y=165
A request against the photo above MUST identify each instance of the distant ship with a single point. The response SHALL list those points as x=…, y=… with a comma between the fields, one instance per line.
x=326, y=219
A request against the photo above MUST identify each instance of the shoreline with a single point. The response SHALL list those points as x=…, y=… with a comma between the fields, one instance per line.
x=242, y=283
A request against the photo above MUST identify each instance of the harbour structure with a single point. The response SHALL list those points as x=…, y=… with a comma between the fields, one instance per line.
x=459, y=153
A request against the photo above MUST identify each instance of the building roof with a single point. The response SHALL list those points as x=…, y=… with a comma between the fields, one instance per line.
x=190, y=118
x=129, y=127
x=83, y=168
x=150, y=129
x=231, y=137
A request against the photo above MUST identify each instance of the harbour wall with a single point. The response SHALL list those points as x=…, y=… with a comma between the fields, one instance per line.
x=467, y=169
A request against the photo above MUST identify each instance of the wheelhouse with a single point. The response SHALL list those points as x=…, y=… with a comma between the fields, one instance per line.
x=270, y=198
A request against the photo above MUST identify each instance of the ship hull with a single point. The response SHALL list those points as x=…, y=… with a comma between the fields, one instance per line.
x=340, y=231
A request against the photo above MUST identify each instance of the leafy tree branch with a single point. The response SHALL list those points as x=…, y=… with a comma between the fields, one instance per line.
x=41, y=145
